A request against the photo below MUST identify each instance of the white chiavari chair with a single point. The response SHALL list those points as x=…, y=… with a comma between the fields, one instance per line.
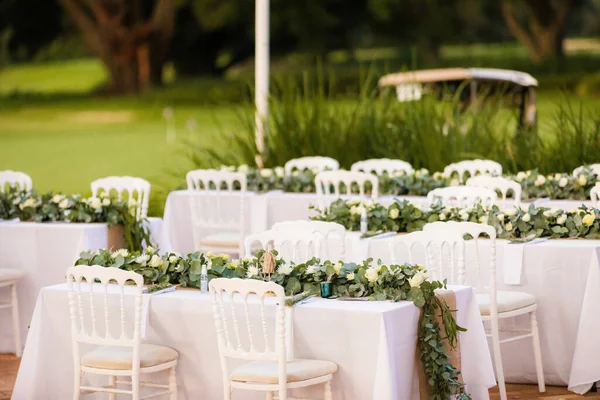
x=119, y=351
x=499, y=184
x=268, y=368
x=494, y=304
x=8, y=279
x=317, y=164
x=382, y=165
x=595, y=168
x=16, y=179
x=323, y=228
x=595, y=196
x=217, y=206
x=137, y=189
x=473, y=167
x=324, y=181
x=462, y=196
x=297, y=246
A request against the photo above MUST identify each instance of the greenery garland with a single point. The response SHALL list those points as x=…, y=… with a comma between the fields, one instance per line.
x=510, y=223
x=369, y=279
x=51, y=207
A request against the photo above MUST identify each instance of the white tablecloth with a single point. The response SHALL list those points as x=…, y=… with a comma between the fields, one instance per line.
x=44, y=251
x=564, y=275
x=373, y=344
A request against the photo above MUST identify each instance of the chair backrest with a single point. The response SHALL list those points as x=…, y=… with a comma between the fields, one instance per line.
x=93, y=321
x=211, y=208
x=462, y=196
x=239, y=338
x=498, y=183
x=595, y=196
x=483, y=167
x=317, y=163
x=322, y=228
x=443, y=253
x=16, y=179
x=298, y=246
x=382, y=165
x=595, y=168
x=324, y=181
x=137, y=189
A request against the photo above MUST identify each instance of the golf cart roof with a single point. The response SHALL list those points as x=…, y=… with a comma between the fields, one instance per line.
x=458, y=74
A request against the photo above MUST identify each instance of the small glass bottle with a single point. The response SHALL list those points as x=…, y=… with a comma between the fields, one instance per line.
x=204, y=279
x=364, y=221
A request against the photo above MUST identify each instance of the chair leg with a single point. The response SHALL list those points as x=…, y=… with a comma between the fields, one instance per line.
x=135, y=386
x=328, y=391
x=537, y=353
x=112, y=381
x=227, y=389
x=498, y=359
x=15, y=319
x=172, y=384
x=77, y=383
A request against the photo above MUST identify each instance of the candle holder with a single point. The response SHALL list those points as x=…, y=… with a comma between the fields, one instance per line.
x=325, y=290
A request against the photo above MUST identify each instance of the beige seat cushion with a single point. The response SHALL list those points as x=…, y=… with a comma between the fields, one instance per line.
x=297, y=370
x=120, y=358
x=507, y=301
x=10, y=274
x=222, y=240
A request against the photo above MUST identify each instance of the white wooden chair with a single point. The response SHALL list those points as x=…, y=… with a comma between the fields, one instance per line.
x=15, y=179
x=595, y=196
x=316, y=163
x=212, y=206
x=120, y=352
x=483, y=167
x=382, y=165
x=327, y=179
x=298, y=246
x=494, y=304
x=498, y=183
x=267, y=368
x=462, y=196
x=594, y=167
x=323, y=228
x=137, y=189
x=9, y=278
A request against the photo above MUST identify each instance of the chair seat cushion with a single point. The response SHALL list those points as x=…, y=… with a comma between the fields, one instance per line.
x=297, y=370
x=222, y=240
x=120, y=358
x=10, y=274
x=507, y=301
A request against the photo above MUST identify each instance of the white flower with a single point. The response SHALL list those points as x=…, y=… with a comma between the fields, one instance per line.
x=540, y=180
x=521, y=176
x=106, y=202
x=417, y=174
x=510, y=212
x=588, y=220
x=350, y=276
x=558, y=177
x=582, y=180
x=562, y=219
x=483, y=219
x=266, y=172
x=424, y=171
x=357, y=210
x=369, y=204
x=463, y=214
x=394, y=213
x=371, y=274
x=209, y=263
x=508, y=227
x=224, y=256
x=95, y=203
x=417, y=279
x=280, y=172
x=149, y=249
x=234, y=264
x=442, y=217
x=57, y=198
x=156, y=261
x=337, y=267
x=353, y=202
x=173, y=259
x=549, y=213
x=210, y=254
x=142, y=260
x=252, y=271
x=500, y=217
x=418, y=206
x=285, y=268
x=563, y=182
x=454, y=182
x=64, y=203
x=120, y=252
x=526, y=217
x=30, y=202
x=312, y=269
x=243, y=169
x=103, y=195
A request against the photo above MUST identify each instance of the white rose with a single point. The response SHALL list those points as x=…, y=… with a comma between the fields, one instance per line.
x=464, y=215
x=417, y=174
x=142, y=260
x=156, y=261
x=582, y=180
x=418, y=206
x=120, y=252
x=357, y=210
x=424, y=171
x=417, y=279
x=500, y=217
x=337, y=267
x=224, y=256
x=557, y=177
x=312, y=269
x=279, y=171
x=210, y=254
x=371, y=274
x=526, y=217
x=437, y=175
x=285, y=268
x=106, y=202
x=394, y=213
x=369, y=204
x=483, y=219
x=562, y=219
x=521, y=176
x=508, y=227
x=57, y=198
x=95, y=203
x=588, y=220
x=252, y=271
x=350, y=276
x=243, y=169
x=563, y=182
x=442, y=217
x=64, y=204
x=540, y=180
x=235, y=264
x=510, y=212
x=266, y=172
x=149, y=249
x=173, y=259
x=353, y=202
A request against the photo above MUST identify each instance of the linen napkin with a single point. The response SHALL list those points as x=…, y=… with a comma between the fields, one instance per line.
x=513, y=261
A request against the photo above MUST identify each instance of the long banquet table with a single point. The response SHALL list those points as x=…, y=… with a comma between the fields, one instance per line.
x=373, y=344
x=44, y=251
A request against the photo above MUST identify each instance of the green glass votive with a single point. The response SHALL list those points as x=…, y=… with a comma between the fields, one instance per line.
x=325, y=289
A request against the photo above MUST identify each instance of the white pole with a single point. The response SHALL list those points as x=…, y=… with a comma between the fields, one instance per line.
x=261, y=75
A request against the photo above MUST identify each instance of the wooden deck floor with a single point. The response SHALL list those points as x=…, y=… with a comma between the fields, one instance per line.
x=9, y=365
